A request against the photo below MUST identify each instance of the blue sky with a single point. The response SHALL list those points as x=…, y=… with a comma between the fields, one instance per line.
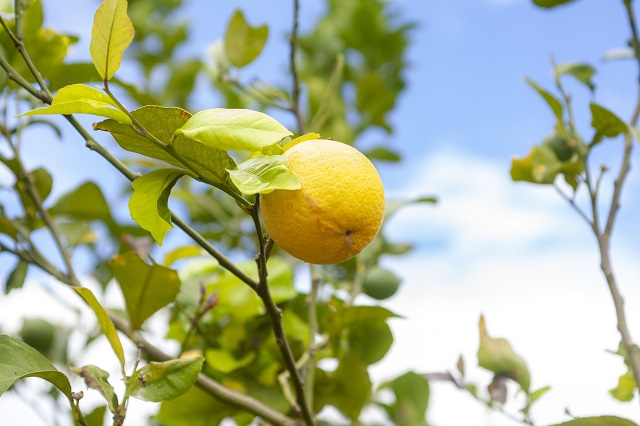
x=514, y=252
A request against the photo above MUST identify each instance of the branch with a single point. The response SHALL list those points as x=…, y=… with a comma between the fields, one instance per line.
x=227, y=396
x=633, y=354
x=310, y=366
x=295, y=92
x=275, y=315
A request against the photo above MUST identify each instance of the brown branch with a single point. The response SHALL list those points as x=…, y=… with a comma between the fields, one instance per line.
x=225, y=395
x=295, y=92
x=275, y=315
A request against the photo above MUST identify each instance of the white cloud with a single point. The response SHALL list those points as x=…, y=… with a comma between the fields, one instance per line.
x=520, y=256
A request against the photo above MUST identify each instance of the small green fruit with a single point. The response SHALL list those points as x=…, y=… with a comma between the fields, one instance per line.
x=380, y=283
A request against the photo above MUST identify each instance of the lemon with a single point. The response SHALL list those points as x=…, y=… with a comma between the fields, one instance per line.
x=337, y=211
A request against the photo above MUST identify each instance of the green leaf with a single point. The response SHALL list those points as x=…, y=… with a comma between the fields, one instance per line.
x=550, y=3
x=598, y=421
x=225, y=362
x=18, y=361
x=7, y=227
x=412, y=399
x=336, y=321
x=96, y=378
x=264, y=174
x=149, y=203
x=233, y=129
x=162, y=123
x=96, y=417
x=551, y=100
x=182, y=253
x=163, y=381
x=42, y=183
x=86, y=202
x=111, y=34
x=105, y=322
x=496, y=355
x=606, y=123
x=371, y=341
x=82, y=99
x=626, y=387
x=582, y=72
x=393, y=207
x=380, y=283
x=382, y=154
x=194, y=408
x=17, y=276
x=32, y=18
x=243, y=43
x=146, y=288
x=68, y=74
x=348, y=388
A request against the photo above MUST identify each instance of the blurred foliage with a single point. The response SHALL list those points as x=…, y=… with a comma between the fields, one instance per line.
x=213, y=314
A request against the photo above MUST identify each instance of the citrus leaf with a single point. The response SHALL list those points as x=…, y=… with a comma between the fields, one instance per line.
x=381, y=153
x=233, y=129
x=96, y=378
x=81, y=99
x=194, y=408
x=19, y=360
x=336, y=321
x=299, y=139
x=111, y=34
x=371, y=342
x=163, y=381
x=162, y=122
x=598, y=421
x=351, y=386
x=264, y=174
x=605, y=122
x=243, y=43
x=148, y=204
x=86, y=202
x=412, y=399
x=547, y=4
x=7, y=227
x=223, y=361
x=105, y=322
x=17, y=276
x=181, y=253
x=96, y=417
x=146, y=288
x=551, y=100
x=625, y=391
x=582, y=72
x=496, y=355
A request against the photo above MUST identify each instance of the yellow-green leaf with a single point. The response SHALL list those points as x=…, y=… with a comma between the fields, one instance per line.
x=105, y=322
x=111, y=34
x=82, y=99
x=264, y=174
x=163, y=381
x=148, y=204
x=146, y=288
x=243, y=43
x=233, y=129
x=497, y=355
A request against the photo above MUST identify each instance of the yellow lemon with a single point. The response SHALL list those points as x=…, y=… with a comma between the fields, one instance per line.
x=337, y=211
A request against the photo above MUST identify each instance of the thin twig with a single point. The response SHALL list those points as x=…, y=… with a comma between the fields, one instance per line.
x=573, y=204
x=275, y=315
x=633, y=354
x=312, y=312
x=295, y=91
